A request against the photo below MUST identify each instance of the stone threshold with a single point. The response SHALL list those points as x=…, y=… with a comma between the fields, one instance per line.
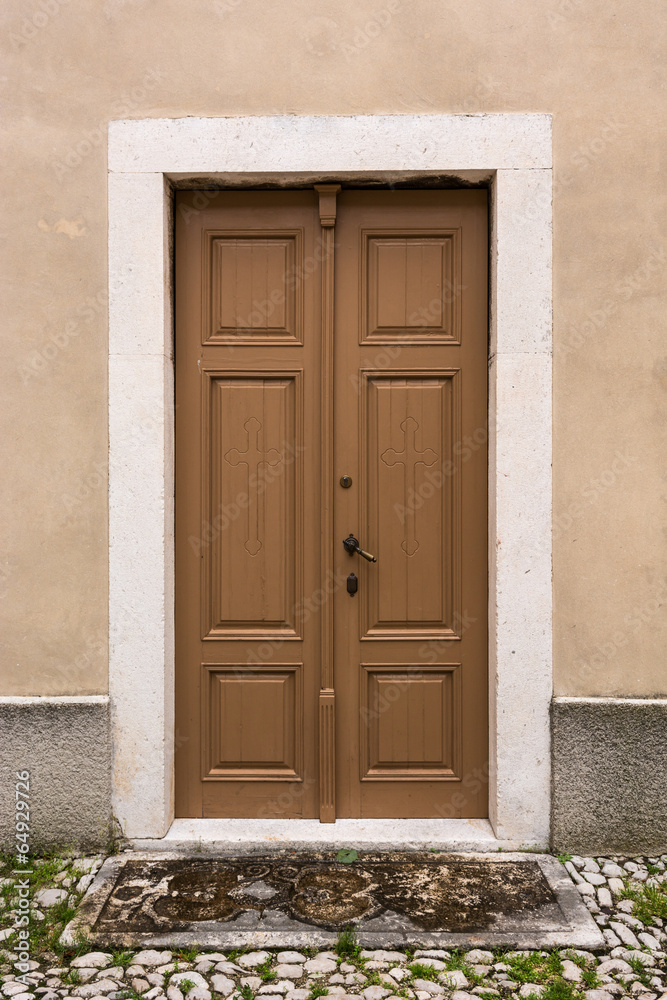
x=394, y=900
x=262, y=835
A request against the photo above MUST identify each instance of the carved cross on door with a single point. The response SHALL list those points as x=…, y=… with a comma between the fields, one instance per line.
x=409, y=458
x=254, y=457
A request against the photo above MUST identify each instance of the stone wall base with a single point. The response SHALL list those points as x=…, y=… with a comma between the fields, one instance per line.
x=609, y=792
x=609, y=756
x=64, y=744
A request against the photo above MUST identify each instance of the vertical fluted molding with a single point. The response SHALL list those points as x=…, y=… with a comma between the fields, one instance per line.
x=327, y=207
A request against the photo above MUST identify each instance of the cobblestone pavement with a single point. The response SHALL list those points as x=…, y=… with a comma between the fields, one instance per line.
x=627, y=897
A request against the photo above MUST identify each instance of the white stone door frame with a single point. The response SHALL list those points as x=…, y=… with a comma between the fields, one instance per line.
x=146, y=158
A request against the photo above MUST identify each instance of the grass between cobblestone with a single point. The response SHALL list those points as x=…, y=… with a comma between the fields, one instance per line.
x=640, y=906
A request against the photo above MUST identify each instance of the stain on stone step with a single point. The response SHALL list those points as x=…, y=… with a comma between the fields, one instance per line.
x=432, y=894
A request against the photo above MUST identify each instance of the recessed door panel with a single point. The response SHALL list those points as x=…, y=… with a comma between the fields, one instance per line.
x=410, y=422
x=253, y=487
x=409, y=281
x=235, y=747
x=410, y=728
x=253, y=287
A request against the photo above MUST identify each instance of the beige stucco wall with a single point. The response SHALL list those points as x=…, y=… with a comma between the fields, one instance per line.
x=70, y=67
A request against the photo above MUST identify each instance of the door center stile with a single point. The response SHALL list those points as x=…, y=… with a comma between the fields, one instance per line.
x=327, y=703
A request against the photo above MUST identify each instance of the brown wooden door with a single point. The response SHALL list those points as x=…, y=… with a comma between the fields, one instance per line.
x=410, y=393
x=248, y=319
x=293, y=698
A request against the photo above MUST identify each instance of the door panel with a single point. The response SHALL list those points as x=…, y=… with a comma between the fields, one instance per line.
x=295, y=698
x=248, y=331
x=410, y=510
x=255, y=444
x=232, y=695
x=256, y=287
x=407, y=280
x=410, y=722
x=410, y=430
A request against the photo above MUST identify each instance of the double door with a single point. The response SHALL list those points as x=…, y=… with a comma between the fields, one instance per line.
x=331, y=397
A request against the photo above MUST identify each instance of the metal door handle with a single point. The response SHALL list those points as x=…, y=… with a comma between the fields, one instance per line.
x=352, y=545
